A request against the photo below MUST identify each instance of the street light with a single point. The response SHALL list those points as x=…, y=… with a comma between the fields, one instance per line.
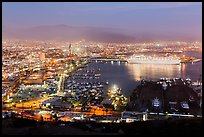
x=22, y=108
x=115, y=87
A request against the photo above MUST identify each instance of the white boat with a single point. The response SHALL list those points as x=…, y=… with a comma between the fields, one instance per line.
x=100, y=86
x=153, y=60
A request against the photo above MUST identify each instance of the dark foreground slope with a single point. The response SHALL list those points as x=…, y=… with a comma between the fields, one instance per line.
x=156, y=127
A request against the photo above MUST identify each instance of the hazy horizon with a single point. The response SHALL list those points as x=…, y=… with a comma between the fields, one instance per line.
x=103, y=21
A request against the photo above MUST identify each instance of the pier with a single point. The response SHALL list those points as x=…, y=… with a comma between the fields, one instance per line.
x=189, y=59
x=109, y=59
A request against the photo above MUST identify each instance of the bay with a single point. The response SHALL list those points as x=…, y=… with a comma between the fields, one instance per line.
x=127, y=76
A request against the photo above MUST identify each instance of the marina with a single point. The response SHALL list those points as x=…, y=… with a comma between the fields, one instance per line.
x=84, y=87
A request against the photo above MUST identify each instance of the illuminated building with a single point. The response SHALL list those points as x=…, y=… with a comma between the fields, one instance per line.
x=42, y=56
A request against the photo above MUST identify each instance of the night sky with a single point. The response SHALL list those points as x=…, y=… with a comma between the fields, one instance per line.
x=172, y=18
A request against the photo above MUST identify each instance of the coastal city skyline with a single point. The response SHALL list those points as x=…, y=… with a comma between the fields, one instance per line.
x=104, y=68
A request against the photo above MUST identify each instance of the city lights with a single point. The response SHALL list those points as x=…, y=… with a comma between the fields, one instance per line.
x=102, y=69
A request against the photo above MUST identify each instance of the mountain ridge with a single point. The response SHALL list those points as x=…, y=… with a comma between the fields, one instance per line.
x=63, y=32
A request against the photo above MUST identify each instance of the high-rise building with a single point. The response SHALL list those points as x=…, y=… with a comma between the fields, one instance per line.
x=42, y=56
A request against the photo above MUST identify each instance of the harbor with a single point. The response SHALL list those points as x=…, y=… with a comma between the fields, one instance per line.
x=101, y=92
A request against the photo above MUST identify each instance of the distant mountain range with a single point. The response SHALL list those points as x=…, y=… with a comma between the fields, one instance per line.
x=67, y=33
x=73, y=33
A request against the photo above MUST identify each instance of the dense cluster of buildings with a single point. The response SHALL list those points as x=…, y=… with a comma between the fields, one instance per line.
x=34, y=70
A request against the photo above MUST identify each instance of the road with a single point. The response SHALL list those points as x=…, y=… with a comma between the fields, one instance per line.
x=28, y=104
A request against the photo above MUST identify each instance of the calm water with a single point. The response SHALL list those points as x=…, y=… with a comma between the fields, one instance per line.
x=126, y=76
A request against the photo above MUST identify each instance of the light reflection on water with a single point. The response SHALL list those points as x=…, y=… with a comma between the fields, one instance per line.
x=127, y=76
x=153, y=71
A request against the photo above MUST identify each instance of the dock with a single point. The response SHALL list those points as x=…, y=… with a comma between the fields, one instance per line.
x=189, y=59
